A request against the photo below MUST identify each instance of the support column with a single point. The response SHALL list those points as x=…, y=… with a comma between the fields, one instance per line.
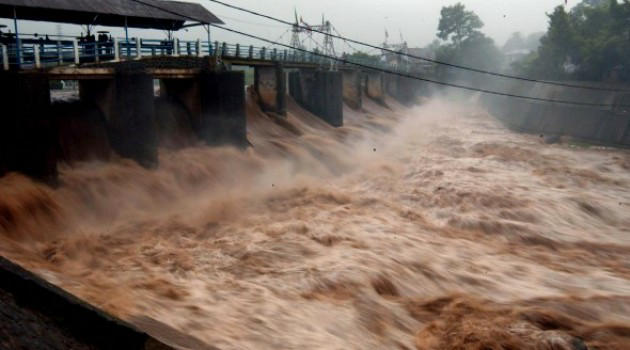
x=352, y=88
x=127, y=103
x=223, y=118
x=270, y=84
x=391, y=84
x=27, y=131
x=216, y=104
x=406, y=90
x=321, y=93
x=375, y=86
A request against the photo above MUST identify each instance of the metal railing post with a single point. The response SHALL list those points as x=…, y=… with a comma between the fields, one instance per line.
x=96, y=52
x=116, y=50
x=198, y=47
x=20, y=52
x=262, y=53
x=224, y=49
x=176, y=47
x=251, y=51
x=5, y=58
x=238, y=51
x=38, y=63
x=75, y=46
x=285, y=55
x=59, y=53
x=138, y=48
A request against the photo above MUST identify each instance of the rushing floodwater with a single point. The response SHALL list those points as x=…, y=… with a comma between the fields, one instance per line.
x=428, y=228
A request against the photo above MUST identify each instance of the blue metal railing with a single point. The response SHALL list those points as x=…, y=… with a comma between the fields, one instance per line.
x=37, y=52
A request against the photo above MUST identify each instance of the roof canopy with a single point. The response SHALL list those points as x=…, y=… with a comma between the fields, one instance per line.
x=110, y=12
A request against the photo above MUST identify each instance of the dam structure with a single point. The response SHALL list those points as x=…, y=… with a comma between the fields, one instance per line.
x=175, y=202
x=120, y=110
x=118, y=75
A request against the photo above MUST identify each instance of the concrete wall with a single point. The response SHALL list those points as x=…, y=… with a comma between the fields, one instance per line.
x=35, y=314
x=606, y=125
x=407, y=90
x=188, y=93
x=352, y=88
x=390, y=81
x=27, y=133
x=223, y=108
x=127, y=103
x=375, y=85
x=270, y=84
x=321, y=93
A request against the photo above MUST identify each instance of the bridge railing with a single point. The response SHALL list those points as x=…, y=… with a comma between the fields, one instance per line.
x=38, y=53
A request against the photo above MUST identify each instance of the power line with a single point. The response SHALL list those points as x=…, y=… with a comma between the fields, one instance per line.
x=422, y=79
x=391, y=71
x=418, y=57
x=249, y=22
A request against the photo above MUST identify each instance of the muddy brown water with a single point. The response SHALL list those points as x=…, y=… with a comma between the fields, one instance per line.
x=425, y=228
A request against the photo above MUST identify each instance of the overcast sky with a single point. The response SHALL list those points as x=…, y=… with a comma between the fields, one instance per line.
x=364, y=20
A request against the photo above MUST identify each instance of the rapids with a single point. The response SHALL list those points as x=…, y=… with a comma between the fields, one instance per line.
x=426, y=228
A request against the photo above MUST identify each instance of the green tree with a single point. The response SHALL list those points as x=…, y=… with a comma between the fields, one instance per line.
x=469, y=46
x=458, y=24
x=594, y=36
x=515, y=42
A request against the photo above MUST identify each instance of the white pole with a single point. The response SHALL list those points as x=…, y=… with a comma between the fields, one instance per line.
x=5, y=58
x=75, y=46
x=176, y=47
x=20, y=52
x=198, y=47
x=18, y=43
x=116, y=50
x=59, y=53
x=138, y=48
x=38, y=63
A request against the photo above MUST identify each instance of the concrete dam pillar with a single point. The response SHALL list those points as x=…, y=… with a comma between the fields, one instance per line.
x=375, y=86
x=27, y=132
x=270, y=84
x=127, y=104
x=352, y=88
x=223, y=108
x=321, y=93
x=407, y=89
x=216, y=104
x=391, y=84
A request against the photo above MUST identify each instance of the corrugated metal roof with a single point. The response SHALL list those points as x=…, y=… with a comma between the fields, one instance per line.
x=110, y=12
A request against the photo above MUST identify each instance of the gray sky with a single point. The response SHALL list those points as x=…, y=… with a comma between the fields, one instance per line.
x=364, y=20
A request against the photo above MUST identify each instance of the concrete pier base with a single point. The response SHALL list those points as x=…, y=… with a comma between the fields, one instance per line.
x=390, y=81
x=407, y=90
x=321, y=93
x=375, y=86
x=27, y=132
x=127, y=104
x=215, y=101
x=223, y=108
x=271, y=87
x=352, y=88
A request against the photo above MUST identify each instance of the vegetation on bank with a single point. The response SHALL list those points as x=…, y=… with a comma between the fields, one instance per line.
x=590, y=42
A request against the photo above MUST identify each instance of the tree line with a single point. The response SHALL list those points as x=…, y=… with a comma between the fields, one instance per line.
x=589, y=42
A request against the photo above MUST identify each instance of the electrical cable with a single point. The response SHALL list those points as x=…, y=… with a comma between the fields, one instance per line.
x=394, y=72
x=423, y=79
x=421, y=58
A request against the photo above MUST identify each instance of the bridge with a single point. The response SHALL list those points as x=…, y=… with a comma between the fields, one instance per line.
x=37, y=52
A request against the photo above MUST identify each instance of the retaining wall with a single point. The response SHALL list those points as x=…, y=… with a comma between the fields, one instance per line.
x=604, y=125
